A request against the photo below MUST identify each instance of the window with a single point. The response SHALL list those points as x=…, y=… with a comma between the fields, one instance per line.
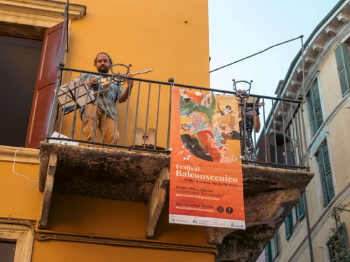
x=271, y=250
x=315, y=107
x=324, y=165
x=20, y=77
x=343, y=241
x=294, y=217
x=7, y=251
x=16, y=243
x=343, y=64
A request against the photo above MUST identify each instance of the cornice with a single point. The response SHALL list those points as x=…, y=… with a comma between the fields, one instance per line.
x=38, y=13
x=24, y=155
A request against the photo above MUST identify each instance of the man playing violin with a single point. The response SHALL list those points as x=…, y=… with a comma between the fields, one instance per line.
x=105, y=102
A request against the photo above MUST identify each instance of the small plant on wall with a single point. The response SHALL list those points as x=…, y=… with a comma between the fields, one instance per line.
x=338, y=243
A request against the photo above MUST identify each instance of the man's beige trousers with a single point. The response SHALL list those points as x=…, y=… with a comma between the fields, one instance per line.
x=99, y=123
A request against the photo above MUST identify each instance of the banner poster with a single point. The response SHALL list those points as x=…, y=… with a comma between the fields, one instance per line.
x=206, y=187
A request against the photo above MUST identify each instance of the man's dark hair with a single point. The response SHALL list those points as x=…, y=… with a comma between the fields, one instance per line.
x=228, y=106
x=109, y=58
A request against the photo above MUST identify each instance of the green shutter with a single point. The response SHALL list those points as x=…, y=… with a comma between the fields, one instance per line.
x=315, y=107
x=344, y=238
x=268, y=253
x=276, y=245
x=330, y=248
x=288, y=223
x=300, y=208
x=343, y=64
x=326, y=174
x=323, y=180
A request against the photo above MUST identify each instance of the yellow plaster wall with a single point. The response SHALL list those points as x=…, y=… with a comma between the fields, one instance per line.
x=43, y=252
x=20, y=198
x=329, y=83
x=85, y=215
x=339, y=141
x=311, y=196
x=147, y=34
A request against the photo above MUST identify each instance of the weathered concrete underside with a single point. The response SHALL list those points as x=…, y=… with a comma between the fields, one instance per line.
x=269, y=193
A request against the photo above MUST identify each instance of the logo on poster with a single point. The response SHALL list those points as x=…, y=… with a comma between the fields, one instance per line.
x=229, y=210
x=220, y=209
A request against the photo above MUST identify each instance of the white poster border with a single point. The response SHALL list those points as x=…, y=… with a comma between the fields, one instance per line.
x=206, y=221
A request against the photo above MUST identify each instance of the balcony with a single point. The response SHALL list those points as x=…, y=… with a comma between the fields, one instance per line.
x=137, y=168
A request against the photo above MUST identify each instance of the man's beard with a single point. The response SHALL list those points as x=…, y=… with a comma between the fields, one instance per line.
x=103, y=70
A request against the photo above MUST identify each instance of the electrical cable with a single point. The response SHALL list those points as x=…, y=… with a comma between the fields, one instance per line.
x=13, y=168
x=255, y=54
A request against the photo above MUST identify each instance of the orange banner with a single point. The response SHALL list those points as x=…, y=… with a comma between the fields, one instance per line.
x=206, y=186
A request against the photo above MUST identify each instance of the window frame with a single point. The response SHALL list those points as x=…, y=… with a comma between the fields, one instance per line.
x=271, y=250
x=24, y=240
x=294, y=213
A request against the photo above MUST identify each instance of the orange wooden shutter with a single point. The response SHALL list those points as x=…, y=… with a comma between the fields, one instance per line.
x=45, y=85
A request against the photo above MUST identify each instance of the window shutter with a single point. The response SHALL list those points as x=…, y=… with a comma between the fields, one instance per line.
x=288, y=223
x=268, y=253
x=315, y=107
x=45, y=86
x=326, y=174
x=291, y=222
x=330, y=248
x=342, y=233
x=343, y=64
x=276, y=245
x=300, y=208
x=323, y=181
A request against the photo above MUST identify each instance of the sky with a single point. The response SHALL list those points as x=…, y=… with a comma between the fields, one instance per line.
x=238, y=28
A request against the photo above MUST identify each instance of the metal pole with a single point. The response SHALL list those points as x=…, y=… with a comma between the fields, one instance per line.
x=171, y=82
x=59, y=80
x=265, y=131
x=306, y=157
x=137, y=110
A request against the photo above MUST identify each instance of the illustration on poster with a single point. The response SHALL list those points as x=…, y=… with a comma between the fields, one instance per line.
x=209, y=130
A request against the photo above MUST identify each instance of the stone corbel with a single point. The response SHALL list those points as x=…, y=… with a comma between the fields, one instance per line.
x=300, y=71
x=291, y=94
x=317, y=47
x=261, y=209
x=48, y=189
x=343, y=17
x=331, y=30
x=295, y=83
x=310, y=60
x=156, y=201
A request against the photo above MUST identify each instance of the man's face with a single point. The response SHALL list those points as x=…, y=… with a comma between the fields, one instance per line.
x=102, y=63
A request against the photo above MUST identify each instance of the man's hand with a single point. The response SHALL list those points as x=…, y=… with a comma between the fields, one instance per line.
x=92, y=81
x=128, y=80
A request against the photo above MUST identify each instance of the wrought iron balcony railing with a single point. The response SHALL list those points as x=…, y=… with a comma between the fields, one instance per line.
x=143, y=120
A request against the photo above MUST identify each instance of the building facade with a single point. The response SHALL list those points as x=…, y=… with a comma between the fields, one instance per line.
x=146, y=34
x=64, y=202
x=327, y=110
